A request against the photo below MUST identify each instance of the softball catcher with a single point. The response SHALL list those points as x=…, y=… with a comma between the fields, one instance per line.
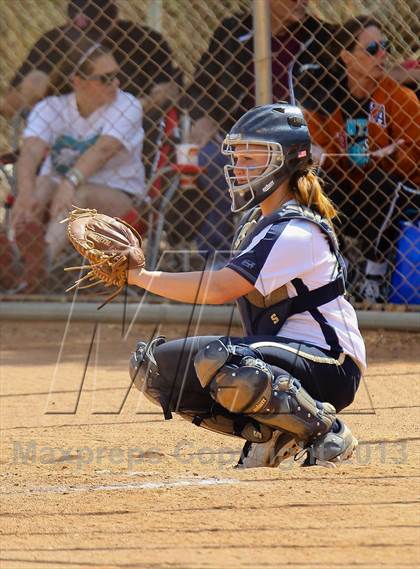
x=281, y=385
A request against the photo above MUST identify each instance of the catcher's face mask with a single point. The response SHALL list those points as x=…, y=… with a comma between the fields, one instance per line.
x=252, y=174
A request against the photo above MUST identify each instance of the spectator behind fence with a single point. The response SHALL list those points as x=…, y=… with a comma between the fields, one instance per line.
x=223, y=89
x=144, y=57
x=82, y=148
x=371, y=142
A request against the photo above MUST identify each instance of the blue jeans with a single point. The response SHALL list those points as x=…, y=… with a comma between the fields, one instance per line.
x=215, y=232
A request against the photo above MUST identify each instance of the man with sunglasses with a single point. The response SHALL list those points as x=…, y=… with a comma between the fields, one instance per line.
x=81, y=146
x=368, y=143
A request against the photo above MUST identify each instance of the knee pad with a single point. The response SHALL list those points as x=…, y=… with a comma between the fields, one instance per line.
x=242, y=383
x=244, y=389
x=216, y=354
x=237, y=378
x=144, y=370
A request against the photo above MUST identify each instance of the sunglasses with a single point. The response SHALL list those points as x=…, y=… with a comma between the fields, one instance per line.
x=375, y=46
x=104, y=78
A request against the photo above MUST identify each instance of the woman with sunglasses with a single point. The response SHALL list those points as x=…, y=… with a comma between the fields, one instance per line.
x=81, y=148
x=368, y=140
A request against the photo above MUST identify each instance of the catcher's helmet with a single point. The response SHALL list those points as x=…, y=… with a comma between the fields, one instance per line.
x=283, y=135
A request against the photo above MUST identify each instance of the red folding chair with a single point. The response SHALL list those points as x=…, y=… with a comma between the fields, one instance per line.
x=9, y=253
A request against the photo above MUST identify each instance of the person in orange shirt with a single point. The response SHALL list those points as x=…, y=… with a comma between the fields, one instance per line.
x=368, y=146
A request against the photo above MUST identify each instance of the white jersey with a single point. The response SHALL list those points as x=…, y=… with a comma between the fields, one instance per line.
x=302, y=253
x=56, y=120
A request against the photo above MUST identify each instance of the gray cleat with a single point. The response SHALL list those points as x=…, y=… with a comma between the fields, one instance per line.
x=280, y=447
x=332, y=449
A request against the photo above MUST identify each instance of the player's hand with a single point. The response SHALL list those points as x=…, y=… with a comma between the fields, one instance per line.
x=64, y=198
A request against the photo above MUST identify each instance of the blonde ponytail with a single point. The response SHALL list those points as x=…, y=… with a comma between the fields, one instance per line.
x=308, y=190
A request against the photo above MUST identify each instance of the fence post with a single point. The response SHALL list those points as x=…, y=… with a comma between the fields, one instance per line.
x=262, y=52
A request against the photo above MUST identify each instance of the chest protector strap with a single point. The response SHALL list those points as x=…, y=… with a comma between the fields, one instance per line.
x=269, y=320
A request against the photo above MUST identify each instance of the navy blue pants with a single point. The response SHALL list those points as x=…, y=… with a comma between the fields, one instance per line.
x=326, y=376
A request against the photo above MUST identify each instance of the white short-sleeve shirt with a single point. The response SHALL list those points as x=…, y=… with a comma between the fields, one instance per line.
x=56, y=120
x=302, y=252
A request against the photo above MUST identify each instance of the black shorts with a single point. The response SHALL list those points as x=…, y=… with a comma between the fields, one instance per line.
x=327, y=376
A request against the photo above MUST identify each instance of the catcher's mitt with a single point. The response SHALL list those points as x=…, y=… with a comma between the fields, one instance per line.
x=111, y=246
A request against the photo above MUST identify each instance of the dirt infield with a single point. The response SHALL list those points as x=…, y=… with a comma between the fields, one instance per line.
x=94, y=478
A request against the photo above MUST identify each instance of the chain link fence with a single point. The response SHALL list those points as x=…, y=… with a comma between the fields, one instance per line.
x=153, y=156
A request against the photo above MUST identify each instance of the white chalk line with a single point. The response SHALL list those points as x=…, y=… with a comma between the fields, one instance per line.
x=69, y=489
